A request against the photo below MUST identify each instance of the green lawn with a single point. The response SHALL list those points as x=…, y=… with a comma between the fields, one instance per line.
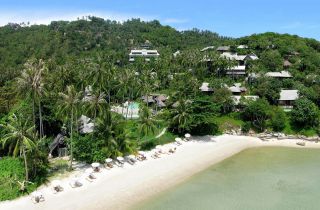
x=150, y=141
x=228, y=122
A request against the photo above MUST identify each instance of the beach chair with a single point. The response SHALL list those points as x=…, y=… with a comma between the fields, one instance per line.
x=96, y=167
x=120, y=161
x=155, y=154
x=178, y=141
x=131, y=159
x=88, y=175
x=37, y=197
x=109, y=163
x=172, y=150
x=56, y=186
x=141, y=156
x=74, y=183
x=187, y=137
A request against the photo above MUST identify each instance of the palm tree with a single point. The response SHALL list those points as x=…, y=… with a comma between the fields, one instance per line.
x=97, y=105
x=147, y=125
x=19, y=136
x=68, y=104
x=181, y=116
x=31, y=84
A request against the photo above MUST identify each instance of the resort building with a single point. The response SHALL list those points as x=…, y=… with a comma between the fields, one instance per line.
x=279, y=75
x=205, y=88
x=236, y=89
x=236, y=71
x=157, y=99
x=242, y=59
x=223, y=49
x=287, y=99
x=147, y=54
x=252, y=56
x=287, y=64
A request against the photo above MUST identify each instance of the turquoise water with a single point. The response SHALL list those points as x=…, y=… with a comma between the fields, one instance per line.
x=255, y=179
x=134, y=105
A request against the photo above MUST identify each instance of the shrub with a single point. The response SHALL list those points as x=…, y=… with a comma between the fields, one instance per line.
x=257, y=112
x=88, y=149
x=12, y=171
x=246, y=127
x=205, y=128
x=278, y=120
x=305, y=114
x=147, y=145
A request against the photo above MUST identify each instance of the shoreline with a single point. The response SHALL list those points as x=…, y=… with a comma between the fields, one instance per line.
x=124, y=188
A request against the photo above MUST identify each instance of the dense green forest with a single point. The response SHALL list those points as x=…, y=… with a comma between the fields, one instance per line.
x=45, y=69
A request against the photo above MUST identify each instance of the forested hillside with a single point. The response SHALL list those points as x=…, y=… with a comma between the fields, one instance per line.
x=62, y=40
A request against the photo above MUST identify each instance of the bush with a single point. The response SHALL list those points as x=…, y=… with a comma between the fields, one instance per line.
x=305, y=114
x=148, y=145
x=246, y=127
x=11, y=171
x=88, y=149
x=257, y=112
x=278, y=120
x=205, y=128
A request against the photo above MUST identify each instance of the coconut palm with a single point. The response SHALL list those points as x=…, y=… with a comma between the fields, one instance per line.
x=68, y=104
x=20, y=137
x=101, y=73
x=147, y=124
x=96, y=105
x=181, y=116
x=30, y=83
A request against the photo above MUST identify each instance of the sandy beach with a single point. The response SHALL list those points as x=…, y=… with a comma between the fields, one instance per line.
x=122, y=187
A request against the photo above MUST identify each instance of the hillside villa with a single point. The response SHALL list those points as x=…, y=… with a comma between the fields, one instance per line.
x=287, y=99
x=147, y=54
x=279, y=75
x=205, y=88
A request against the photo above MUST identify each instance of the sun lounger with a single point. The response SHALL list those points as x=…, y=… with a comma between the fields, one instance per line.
x=74, y=183
x=155, y=154
x=187, y=137
x=131, y=159
x=96, y=167
x=178, y=141
x=88, y=175
x=120, y=161
x=109, y=163
x=172, y=150
x=37, y=197
x=141, y=156
x=56, y=186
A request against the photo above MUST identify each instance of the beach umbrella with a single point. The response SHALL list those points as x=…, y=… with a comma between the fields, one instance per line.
x=95, y=165
x=108, y=160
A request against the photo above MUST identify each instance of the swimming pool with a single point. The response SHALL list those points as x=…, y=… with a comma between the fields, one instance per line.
x=133, y=105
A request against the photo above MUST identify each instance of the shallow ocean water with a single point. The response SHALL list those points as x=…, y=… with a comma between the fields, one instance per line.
x=255, y=179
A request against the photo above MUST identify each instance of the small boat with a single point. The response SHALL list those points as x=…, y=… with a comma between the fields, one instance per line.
x=301, y=143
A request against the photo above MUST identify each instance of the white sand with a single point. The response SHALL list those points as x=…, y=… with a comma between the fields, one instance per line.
x=120, y=188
